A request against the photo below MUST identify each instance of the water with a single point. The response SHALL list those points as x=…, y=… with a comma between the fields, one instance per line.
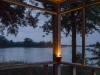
x=35, y=54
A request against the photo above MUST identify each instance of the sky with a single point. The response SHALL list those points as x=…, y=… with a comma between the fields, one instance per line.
x=37, y=33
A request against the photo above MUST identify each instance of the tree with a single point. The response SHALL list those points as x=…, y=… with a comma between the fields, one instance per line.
x=95, y=51
x=82, y=71
x=14, y=16
x=28, y=42
x=79, y=58
x=11, y=43
x=72, y=22
x=3, y=42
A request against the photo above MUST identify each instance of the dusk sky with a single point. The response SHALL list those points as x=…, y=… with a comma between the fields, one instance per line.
x=37, y=33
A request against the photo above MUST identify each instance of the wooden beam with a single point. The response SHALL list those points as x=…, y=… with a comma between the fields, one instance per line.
x=29, y=6
x=81, y=66
x=52, y=12
x=43, y=1
x=47, y=2
x=68, y=2
x=26, y=65
x=78, y=8
x=65, y=1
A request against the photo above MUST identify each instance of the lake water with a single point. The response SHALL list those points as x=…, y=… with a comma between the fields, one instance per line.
x=35, y=54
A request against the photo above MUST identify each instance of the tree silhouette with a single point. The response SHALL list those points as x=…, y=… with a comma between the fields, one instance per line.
x=14, y=16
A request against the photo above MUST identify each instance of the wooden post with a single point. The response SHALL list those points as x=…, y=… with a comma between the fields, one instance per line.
x=45, y=69
x=83, y=34
x=30, y=70
x=93, y=72
x=9, y=72
x=58, y=69
x=57, y=32
x=54, y=40
x=56, y=36
x=74, y=70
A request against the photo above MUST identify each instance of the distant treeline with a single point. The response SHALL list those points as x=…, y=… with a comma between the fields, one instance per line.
x=4, y=42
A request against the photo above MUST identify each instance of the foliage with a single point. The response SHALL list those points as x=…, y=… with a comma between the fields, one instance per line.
x=14, y=16
x=4, y=42
x=79, y=58
x=92, y=23
x=28, y=42
x=82, y=71
x=96, y=53
x=11, y=62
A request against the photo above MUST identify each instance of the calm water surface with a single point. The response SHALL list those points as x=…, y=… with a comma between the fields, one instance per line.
x=35, y=54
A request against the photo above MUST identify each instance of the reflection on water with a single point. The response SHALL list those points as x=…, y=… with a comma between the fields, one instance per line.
x=33, y=54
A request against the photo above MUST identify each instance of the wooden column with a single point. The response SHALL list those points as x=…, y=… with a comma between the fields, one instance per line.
x=56, y=35
x=57, y=32
x=58, y=69
x=93, y=72
x=45, y=69
x=30, y=71
x=9, y=72
x=83, y=34
x=74, y=70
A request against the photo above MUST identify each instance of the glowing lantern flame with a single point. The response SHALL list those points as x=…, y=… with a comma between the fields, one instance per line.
x=59, y=53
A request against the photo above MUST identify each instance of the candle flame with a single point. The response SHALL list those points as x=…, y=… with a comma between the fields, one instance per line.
x=59, y=53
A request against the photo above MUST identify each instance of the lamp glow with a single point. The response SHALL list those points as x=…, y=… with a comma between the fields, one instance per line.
x=58, y=57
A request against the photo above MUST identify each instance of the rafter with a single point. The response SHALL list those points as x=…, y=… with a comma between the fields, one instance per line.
x=78, y=8
x=52, y=12
x=30, y=6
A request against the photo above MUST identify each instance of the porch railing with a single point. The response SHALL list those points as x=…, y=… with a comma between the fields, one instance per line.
x=45, y=64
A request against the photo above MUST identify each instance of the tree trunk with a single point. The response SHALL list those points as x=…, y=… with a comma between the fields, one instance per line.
x=73, y=40
x=73, y=43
